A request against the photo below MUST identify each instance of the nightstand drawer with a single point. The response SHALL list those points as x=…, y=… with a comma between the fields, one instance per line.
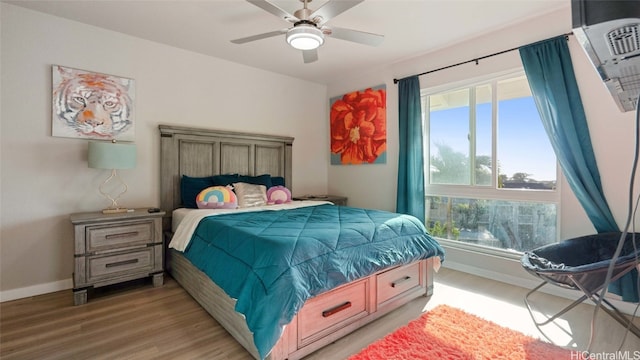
x=100, y=267
x=101, y=238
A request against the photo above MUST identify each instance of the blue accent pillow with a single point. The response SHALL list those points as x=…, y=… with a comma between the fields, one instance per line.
x=264, y=179
x=277, y=181
x=190, y=187
x=225, y=179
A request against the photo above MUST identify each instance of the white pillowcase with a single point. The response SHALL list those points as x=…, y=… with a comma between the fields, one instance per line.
x=250, y=195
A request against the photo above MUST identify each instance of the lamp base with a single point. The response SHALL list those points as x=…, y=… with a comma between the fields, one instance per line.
x=115, y=211
x=114, y=208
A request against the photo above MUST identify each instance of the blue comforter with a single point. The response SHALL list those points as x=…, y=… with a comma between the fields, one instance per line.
x=273, y=261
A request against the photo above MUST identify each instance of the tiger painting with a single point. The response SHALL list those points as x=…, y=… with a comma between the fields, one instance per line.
x=91, y=105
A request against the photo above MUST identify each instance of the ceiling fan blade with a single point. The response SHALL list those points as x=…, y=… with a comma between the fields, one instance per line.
x=259, y=36
x=273, y=9
x=332, y=9
x=310, y=56
x=355, y=36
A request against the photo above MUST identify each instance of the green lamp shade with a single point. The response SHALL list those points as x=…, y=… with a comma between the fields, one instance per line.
x=111, y=155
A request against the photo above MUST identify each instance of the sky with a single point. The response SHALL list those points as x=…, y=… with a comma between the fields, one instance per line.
x=523, y=145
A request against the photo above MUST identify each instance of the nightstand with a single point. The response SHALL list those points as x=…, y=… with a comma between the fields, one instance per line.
x=112, y=248
x=337, y=200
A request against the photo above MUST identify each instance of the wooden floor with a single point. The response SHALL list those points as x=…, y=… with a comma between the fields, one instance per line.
x=143, y=322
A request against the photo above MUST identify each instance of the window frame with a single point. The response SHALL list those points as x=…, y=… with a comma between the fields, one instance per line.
x=483, y=192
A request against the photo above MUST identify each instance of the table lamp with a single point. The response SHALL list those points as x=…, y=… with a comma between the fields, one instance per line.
x=112, y=156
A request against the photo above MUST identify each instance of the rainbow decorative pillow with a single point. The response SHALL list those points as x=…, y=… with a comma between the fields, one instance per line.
x=217, y=197
x=278, y=195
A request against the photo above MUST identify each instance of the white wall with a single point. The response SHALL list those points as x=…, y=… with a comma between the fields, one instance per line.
x=44, y=178
x=612, y=132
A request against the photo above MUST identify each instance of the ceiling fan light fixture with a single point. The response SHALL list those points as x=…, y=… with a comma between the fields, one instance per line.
x=305, y=37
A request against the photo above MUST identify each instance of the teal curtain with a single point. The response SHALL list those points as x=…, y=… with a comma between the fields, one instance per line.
x=555, y=91
x=410, y=196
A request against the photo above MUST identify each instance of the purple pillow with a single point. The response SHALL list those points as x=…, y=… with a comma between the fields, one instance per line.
x=278, y=195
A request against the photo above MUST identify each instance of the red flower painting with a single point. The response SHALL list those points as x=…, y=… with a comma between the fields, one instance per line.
x=359, y=127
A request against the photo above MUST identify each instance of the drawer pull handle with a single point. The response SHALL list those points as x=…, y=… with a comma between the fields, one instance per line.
x=337, y=309
x=120, y=263
x=398, y=282
x=122, y=235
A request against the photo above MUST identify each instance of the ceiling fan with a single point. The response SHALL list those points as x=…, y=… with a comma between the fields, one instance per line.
x=309, y=29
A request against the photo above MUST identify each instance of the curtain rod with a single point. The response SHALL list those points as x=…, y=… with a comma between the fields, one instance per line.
x=395, y=81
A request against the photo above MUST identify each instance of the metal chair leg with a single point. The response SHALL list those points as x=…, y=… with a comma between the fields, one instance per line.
x=618, y=316
x=558, y=314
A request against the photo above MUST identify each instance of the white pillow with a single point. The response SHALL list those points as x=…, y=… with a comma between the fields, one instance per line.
x=250, y=195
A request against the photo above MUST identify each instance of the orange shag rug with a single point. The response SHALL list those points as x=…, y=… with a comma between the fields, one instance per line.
x=446, y=333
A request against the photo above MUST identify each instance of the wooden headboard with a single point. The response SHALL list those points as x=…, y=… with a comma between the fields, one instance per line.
x=203, y=152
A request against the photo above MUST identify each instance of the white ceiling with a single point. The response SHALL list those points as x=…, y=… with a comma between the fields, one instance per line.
x=411, y=28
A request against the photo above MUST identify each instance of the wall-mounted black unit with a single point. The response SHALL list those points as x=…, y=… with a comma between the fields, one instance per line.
x=609, y=32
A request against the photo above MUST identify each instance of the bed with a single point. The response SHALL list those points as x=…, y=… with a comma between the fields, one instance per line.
x=328, y=311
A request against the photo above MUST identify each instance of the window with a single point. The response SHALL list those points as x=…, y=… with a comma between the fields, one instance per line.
x=490, y=169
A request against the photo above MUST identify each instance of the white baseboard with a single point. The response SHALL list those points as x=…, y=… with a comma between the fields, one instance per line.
x=531, y=282
x=34, y=290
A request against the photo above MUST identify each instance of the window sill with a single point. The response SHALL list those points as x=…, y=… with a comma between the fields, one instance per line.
x=480, y=249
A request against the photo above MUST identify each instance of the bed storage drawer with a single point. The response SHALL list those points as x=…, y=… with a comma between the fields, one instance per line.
x=397, y=281
x=327, y=313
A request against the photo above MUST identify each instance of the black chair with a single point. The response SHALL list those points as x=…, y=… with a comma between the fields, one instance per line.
x=581, y=264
